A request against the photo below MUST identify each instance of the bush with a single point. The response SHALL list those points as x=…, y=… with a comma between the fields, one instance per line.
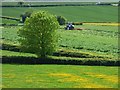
x=20, y=3
x=61, y=20
x=25, y=15
x=38, y=34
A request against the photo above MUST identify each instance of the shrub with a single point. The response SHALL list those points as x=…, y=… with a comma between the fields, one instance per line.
x=61, y=20
x=25, y=15
x=39, y=34
x=20, y=3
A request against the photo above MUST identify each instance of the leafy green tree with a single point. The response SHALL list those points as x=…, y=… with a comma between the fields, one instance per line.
x=119, y=3
x=61, y=20
x=39, y=34
x=25, y=15
x=20, y=3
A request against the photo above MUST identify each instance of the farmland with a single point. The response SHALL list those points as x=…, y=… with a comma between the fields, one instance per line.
x=86, y=14
x=47, y=76
x=101, y=39
x=97, y=41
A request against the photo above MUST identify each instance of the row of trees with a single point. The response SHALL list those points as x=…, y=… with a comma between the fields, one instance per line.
x=61, y=20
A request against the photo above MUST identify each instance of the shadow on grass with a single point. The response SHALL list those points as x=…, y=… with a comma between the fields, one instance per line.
x=10, y=47
x=82, y=58
x=14, y=48
x=33, y=60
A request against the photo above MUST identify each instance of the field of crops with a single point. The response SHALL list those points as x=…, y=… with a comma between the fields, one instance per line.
x=45, y=3
x=100, y=39
x=86, y=13
x=95, y=42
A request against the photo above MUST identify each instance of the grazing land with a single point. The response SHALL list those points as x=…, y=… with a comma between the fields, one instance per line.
x=86, y=13
x=97, y=41
x=59, y=76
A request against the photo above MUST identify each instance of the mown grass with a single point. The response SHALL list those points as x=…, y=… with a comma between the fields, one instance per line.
x=59, y=76
x=86, y=13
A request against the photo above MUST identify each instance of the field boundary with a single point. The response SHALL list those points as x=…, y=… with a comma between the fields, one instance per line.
x=102, y=23
x=11, y=18
x=52, y=5
x=76, y=23
x=61, y=61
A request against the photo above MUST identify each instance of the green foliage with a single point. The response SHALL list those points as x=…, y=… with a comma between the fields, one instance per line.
x=39, y=34
x=119, y=3
x=26, y=14
x=62, y=20
x=20, y=3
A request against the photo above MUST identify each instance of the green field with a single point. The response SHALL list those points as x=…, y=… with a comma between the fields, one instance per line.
x=59, y=76
x=94, y=42
x=86, y=13
x=102, y=39
x=49, y=3
x=45, y=3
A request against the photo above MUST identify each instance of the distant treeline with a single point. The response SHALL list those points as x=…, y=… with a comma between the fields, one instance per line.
x=55, y=5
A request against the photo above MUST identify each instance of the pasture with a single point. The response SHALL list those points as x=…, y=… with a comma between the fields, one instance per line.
x=102, y=39
x=59, y=76
x=86, y=13
x=97, y=41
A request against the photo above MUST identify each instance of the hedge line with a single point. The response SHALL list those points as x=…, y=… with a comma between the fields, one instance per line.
x=58, y=53
x=4, y=24
x=10, y=47
x=55, y=5
x=77, y=23
x=57, y=58
x=33, y=60
x=76, y=55
x=11, y=18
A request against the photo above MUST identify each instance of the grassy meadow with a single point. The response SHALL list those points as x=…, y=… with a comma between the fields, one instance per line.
x=97, y=41
x=86, y=13
x=59, y=76
x=101, y=40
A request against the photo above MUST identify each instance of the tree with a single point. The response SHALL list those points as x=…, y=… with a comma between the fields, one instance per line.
x=62, y=20
x=25, y=15
x=119, y=3
x=39, y=34
x=20, y=3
